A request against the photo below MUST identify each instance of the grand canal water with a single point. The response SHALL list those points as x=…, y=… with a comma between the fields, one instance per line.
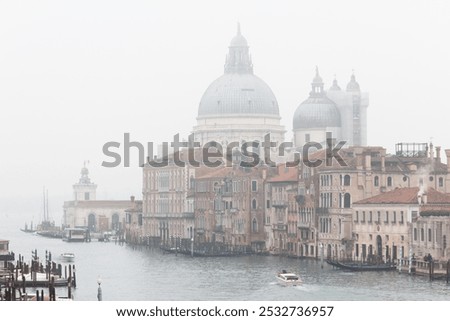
x=129, y=273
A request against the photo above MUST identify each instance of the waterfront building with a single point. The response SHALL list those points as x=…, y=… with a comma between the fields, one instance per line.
x=335, y=113
x=431, y=230
x=88, y=212
x=167, y=212
x=368, y=171
x=400, y=223
x=229, y=208
x=134, y=223
x=281, y=211
x=238, y=106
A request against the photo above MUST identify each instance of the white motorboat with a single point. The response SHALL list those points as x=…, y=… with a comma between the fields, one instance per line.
x=288, y=278
x=69, y=257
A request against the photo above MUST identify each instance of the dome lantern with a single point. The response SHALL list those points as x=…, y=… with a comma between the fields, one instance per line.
x=238, y=59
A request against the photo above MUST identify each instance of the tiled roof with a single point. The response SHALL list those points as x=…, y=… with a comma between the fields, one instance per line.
x=214, y=172
x=406, y=196
x=438, y=210
x=285, y=174
x=224, y=171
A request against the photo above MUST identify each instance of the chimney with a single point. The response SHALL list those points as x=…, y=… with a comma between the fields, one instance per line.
x=424, y=199
x=447, y=153
x=368, y=162
x=438, y=154
x=431, y=151
x=383, y=160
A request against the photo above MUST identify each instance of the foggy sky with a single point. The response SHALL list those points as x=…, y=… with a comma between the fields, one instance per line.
x=75, y=75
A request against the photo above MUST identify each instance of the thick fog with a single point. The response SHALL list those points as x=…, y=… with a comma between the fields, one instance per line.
x=75, y=75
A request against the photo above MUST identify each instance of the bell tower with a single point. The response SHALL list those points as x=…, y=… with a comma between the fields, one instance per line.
x=84, y=190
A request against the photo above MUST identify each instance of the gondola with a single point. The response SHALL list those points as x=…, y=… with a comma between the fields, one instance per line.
x=357, y=266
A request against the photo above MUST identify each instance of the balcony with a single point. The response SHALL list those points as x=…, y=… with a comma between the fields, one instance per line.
x=188, y=215
x=279, y=227
x=322, y=210
x=279, y=203
x=304, y=225
x=219, y=229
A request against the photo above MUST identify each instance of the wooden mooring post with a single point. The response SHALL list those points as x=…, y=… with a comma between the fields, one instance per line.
x=430, y=265
x=448, y=270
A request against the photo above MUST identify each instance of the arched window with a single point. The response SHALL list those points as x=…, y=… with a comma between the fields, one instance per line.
x=347, y=180
x=389, y=181
x=441, y=182
x=254, y=225
x=444, y=242
x=254, y=204
x=347, y=200
x=376, y=181
x=422, y=234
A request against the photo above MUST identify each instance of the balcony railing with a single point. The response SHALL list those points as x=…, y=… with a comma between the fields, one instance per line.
x=279, y=227
x=219, y=229
x=188, y=214
x=279, y=203
x=322, y=210
x=304, y=225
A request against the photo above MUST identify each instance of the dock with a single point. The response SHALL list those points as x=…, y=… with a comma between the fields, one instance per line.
x=434, y=270
x=18, y=278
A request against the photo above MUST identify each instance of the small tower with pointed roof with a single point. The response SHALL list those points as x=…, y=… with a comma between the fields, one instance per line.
x=352, y=104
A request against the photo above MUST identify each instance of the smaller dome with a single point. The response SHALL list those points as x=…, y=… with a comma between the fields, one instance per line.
x=316, y=112
x=353, y=84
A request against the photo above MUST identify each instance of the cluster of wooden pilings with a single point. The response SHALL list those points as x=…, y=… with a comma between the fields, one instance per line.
x=17, y=278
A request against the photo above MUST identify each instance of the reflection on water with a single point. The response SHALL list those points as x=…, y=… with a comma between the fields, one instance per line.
x=147, y=274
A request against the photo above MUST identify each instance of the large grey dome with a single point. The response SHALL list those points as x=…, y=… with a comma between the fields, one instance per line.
x=317, y=112
x=238, y=93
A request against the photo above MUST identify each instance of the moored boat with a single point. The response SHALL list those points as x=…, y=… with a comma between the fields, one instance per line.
x=359, y=266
